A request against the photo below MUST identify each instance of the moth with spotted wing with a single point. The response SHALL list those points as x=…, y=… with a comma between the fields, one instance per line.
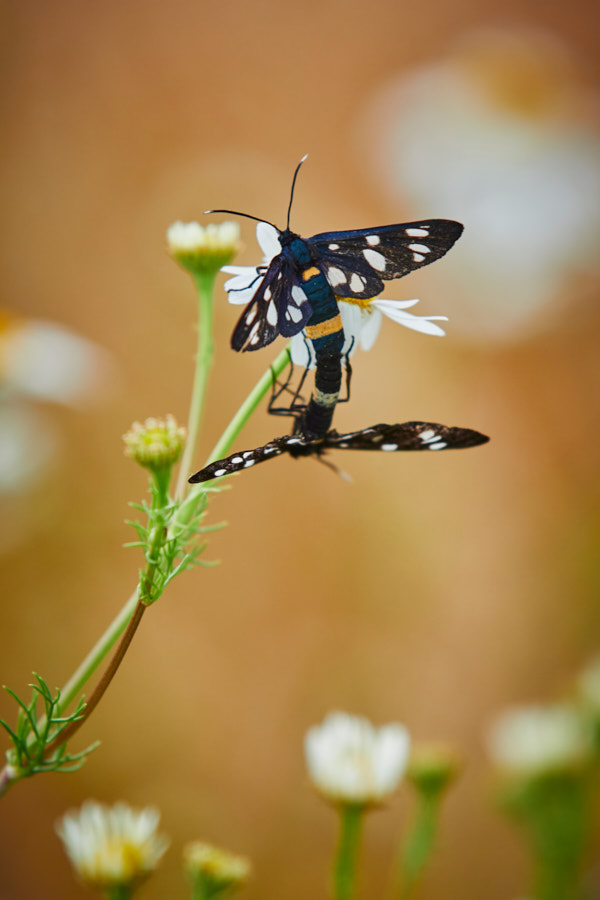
x=297, y=288
x=387, y=438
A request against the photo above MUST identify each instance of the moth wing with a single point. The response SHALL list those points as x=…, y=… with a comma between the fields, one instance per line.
x=391, y=251
x=406, y=436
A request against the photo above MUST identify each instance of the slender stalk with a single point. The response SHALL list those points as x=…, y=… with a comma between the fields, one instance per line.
x=205, y=283
x=104, y=682
x=119, y=892
x=225, y=442
x=346, y=859
x=99, y=651
x=419, y=844
x=127, y=619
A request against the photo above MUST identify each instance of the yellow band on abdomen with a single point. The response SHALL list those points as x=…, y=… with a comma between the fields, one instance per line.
x=310, y=273
x=330, y=326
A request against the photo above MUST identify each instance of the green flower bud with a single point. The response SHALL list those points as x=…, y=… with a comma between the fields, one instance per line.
x=202, y=250
x=156, y=444
x=433, y=767
x=213, y=871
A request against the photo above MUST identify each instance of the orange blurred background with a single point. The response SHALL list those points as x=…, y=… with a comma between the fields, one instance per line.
x=431, y=591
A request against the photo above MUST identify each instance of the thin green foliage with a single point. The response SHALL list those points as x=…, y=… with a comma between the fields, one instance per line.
x=168, y=551
x=39, y=723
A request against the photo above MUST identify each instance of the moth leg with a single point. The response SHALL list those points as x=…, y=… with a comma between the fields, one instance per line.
x=297, y=404
x=348, y=367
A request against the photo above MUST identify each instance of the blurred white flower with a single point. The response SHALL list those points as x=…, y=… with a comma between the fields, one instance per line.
x=531, y=740
x=203, y=249
x=214, y=871
x=495, y=135
x=44, y=361
x=28, y=444
x=111, y=846
x=186, y=236
x=361, y=320
x=351, y=761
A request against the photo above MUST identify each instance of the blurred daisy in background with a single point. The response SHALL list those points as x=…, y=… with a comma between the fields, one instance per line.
x=41, y=362
x=502, y=135
x=533, y=739
x=112, y=847
x=351, y=761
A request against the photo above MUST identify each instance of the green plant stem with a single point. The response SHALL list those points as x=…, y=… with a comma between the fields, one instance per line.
x=119, y=892
x=104, y=682
x=419, y=843
x=205, y=283
x=346, y=859
x=124, y=618
x=225, y=442
x=129, y=615
x=97, y=654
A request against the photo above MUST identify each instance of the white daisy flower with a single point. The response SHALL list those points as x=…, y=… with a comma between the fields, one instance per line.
x=350, y=761
x=361, y=319
x=112, y=846
x=530, y=740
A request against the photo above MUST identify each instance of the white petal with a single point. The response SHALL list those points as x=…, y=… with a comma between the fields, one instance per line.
x=237, y=270
x=352, y=322
x=370, y=328
x=243, y=276
x=268, y=238
x=302, y=352
x=394, y=309
x=243, y=286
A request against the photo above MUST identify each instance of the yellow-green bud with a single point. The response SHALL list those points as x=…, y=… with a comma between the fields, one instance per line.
x=155, y=444
x=215, y=869
x=432, y=767
x=202, y=250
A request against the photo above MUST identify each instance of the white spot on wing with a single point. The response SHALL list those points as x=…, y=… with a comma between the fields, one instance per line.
x=267, y=294
x=247, y=453
x=294, y=314
x=334, y=246
x=335, y=276
x=428, y=435
x=417, y=232
x=357, y=283
x=418, y=257
x=251, y=316
x=237, y=460
x=249, y=462
x=438, y=445
x=420, y=248
x=375, y=259
x=389, y=446
x=299, y=295
x=272, y=313
x=373, y=239
x=220, y=472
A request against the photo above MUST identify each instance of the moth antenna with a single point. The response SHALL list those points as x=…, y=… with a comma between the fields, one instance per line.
x=234, y=212
x=293, y=186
